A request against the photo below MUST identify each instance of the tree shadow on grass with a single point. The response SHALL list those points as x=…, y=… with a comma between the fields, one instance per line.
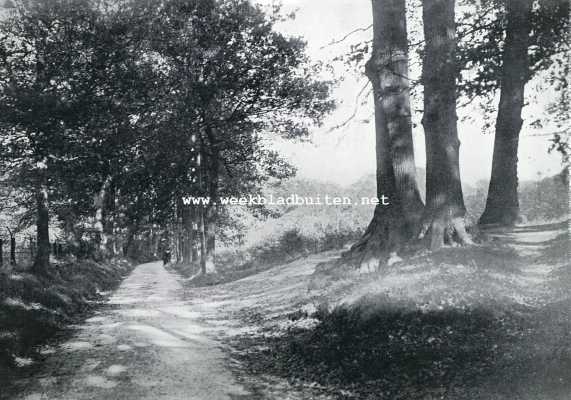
x=398, y=352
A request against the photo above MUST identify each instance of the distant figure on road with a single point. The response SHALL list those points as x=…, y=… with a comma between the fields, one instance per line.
x=166, y=256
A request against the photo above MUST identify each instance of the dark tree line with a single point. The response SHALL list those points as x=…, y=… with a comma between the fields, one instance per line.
x=112, y=111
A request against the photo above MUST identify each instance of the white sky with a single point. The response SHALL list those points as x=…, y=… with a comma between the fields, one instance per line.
x=344, y=155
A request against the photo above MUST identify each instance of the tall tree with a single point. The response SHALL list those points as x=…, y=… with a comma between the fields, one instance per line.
x=502, y=205
x=237, y=78
x=388, y=69
x=445, y=210
x=504, y=45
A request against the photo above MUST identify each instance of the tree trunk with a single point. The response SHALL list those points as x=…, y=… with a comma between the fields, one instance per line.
x=72, y=238
x=194, y=250
x=12, y=248
x=187, y=234
x=175, y=238
x=32, y=247
x=202, y=234
x=445, y=211
x=210, y=219
x=110, y=216
x=180, y=231
x=100, y=201
x=195, y=235
x=42, y=258
x=387, y=70
x=128, y=244
x=210, y=211
x=502, y=205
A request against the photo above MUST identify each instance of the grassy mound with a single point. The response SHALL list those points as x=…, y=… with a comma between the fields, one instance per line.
x=486, y=322
x=34, y=309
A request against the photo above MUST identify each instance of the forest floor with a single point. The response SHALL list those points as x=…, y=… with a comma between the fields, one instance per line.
x=485, y=322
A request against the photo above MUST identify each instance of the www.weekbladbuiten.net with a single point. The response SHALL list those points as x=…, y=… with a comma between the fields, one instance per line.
x=293, y=199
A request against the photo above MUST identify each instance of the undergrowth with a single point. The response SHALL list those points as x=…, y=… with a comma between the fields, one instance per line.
x=238, y=264
x=33, y=309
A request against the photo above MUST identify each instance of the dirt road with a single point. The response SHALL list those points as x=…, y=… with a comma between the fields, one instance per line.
x=157, y=340
x=147, y=343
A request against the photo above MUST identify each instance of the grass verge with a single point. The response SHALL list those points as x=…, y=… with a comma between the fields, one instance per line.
x=34, y=309
x=491, y=322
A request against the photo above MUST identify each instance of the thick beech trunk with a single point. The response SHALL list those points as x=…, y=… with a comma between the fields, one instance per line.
x=387, y=70
x=444, y=212
x=502, y=205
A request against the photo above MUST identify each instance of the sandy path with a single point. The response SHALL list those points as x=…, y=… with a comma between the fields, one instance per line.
x=147, y=343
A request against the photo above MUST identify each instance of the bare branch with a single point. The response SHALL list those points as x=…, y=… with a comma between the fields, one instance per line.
x=355, y=109
x=334, y=42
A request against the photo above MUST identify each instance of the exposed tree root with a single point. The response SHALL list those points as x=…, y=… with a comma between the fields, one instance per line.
x=444, y=227
x=388, y=235
x=382, y=239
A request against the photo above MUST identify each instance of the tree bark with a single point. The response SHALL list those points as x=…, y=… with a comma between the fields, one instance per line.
x=132, y=228
x=109, y=223
x=445, y=211
x=175, y=238
x=116, y=224
x=502, y=205
x=387, y=70
x=202, y=234
x=12, y=250
x=100, y=201
x=12, y=247
x=187, y=234
x=42, y=258
x=32, y=247
x=210, y=212
x=194, y=235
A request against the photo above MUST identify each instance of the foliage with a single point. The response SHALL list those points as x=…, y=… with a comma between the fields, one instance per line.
x=546, y=199
x=129, y=96
x=541, y=201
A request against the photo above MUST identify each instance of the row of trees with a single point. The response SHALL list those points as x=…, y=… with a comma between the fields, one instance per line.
x=112, y=111
x=498, y=45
